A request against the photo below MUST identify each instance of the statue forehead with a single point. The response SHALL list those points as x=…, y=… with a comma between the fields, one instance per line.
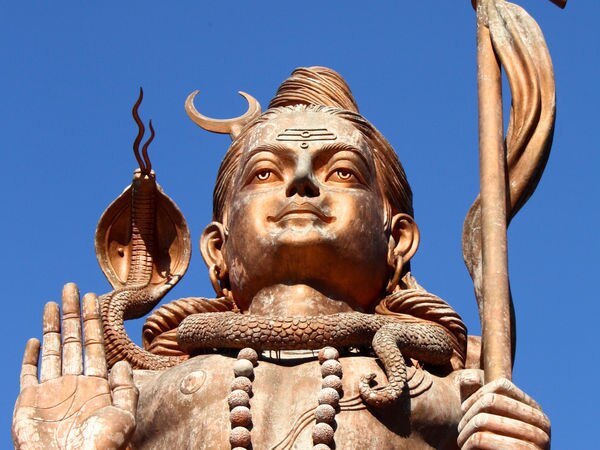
x=306, y=127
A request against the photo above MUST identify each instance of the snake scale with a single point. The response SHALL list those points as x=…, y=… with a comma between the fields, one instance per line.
x=390, y=339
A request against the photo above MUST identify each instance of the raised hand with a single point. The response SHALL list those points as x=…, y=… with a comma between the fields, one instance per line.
x=71, y=407
x=499, y=415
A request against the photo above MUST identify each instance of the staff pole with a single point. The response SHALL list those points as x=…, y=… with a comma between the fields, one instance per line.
x=496, y=320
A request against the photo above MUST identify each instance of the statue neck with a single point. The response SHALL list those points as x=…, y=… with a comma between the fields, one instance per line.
x=295, y=300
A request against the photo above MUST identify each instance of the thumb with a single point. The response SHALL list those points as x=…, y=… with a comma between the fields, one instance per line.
x=469, y=381
x=123, y=390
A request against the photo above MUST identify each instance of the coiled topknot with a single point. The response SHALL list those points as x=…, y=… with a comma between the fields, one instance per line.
x=315, y=86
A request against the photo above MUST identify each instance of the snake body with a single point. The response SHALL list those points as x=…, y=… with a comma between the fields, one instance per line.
x=129, y=303
x=137, y=296
x=391, y=340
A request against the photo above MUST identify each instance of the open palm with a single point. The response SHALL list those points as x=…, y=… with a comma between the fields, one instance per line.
x=68, y=407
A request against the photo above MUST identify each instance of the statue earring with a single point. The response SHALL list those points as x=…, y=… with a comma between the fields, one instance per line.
x=216, y=275
x=213, y=273
x=393, y=283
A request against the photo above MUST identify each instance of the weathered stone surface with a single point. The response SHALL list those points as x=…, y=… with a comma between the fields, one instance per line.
x=277, y=409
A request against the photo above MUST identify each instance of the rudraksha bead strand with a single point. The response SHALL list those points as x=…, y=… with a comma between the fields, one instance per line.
x=239, y=399
x=329, y=399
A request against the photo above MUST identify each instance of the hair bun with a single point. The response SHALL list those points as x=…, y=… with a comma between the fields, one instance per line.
x=315, y=86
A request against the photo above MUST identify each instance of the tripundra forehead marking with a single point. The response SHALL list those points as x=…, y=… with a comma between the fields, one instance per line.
x=306, y=134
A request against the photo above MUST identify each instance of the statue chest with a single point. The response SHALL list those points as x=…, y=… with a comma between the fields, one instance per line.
x=188, y=406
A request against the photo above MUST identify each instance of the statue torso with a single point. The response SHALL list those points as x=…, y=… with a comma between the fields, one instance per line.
x=186, y=407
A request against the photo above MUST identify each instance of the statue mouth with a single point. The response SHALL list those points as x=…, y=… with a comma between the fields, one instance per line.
x=303, y=209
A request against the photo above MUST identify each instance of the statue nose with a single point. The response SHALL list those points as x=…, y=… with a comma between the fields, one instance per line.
x=303, y=183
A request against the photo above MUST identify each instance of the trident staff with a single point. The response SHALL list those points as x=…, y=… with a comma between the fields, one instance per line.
x=510, y=166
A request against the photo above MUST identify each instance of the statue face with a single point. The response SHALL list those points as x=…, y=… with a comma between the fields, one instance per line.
x=306, y=209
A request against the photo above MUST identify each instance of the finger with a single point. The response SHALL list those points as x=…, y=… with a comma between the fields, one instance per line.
x=124, y=392
x=95, y=361
x=72, y=363
x=469, y=381
x=30, y=364
x=501, y=405
x=51, y=343
x=503, y=426
x=490, y=441
x=500, y=386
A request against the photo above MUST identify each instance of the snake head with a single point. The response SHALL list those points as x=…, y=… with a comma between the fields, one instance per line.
x=366, y=379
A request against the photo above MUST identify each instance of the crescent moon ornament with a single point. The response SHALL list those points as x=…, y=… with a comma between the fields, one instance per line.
x=233, y=126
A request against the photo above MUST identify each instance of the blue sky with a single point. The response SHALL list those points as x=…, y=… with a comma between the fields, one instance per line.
x=71, y=72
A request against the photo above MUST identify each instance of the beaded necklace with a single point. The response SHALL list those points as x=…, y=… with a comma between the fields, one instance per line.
x=328, y=398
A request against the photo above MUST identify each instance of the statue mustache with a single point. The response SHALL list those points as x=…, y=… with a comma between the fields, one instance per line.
x=302, y=207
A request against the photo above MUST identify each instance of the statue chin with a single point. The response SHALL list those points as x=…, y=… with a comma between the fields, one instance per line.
x=307, y=264
x=317, y=275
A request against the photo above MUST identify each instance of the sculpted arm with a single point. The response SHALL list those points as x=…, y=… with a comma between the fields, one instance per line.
x=500, y=415
x=73, y=403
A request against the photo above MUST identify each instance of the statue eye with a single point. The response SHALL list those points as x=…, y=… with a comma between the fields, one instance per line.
x=264, y=175
x=344, y=174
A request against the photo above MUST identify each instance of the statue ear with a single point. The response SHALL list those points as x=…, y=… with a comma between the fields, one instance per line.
x=404, y=239
x=402, y=245
x=211, y=245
